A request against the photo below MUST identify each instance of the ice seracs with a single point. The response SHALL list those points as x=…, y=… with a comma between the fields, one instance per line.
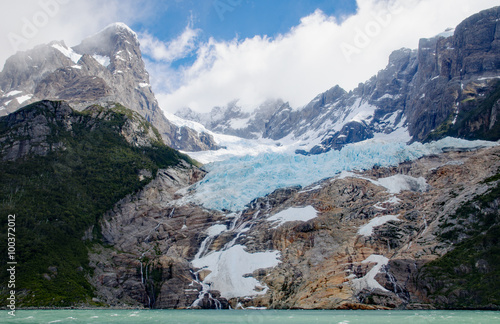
x=233, y=183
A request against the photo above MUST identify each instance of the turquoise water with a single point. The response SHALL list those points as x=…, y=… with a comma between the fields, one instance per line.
x=248, y=316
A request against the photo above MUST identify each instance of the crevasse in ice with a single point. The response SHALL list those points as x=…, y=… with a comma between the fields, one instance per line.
x=233, y=183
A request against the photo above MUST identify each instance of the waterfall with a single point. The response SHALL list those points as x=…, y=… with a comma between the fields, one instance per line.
x=213, y=232
x=396, y=288
x=204, y=247
x=205, y=291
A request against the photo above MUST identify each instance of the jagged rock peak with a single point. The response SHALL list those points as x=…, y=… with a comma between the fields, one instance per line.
x=105, y=67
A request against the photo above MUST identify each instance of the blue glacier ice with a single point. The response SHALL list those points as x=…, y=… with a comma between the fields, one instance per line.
x=233, y=183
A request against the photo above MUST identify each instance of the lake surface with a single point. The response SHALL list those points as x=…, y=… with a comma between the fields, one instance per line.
x=248, y=316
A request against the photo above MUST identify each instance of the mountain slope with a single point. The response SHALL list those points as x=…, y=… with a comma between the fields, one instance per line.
x=355, y=240
x=61, y=171
x=105, y=67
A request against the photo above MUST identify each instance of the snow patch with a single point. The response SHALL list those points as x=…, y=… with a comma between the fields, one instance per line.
x=78, y=67
x=68, y=52
x=386, y=96
x=368, y=281
x=22, y=99
x=317, y=187
x=367, y=230
x=400, y=182
x=13, y=93
x=488, y=78
x=103, y=60
x=144, y=84
x=230, y=267
x=293, y=214
x=216, y=230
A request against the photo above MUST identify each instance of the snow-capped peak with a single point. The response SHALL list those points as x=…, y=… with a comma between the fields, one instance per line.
x=120, y=26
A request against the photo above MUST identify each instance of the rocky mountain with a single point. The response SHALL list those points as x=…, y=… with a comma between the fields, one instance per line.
x=448, y=86
x=377, y=239
x=232, y=120
x=61, y=171
x=106, y=67
x=108, y=215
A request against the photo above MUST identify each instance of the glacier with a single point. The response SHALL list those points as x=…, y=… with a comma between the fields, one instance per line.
x=233, y=183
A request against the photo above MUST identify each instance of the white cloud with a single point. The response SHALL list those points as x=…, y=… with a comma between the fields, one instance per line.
x=312, y=57
x=171, y=51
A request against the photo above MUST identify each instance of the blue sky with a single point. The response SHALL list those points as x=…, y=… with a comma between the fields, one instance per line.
x=206, y=53
x=226, y=19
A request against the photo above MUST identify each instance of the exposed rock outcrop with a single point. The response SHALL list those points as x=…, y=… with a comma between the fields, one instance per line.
x=31, y=130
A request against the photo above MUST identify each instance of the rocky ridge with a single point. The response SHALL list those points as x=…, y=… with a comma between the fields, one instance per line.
x=30, y=130
x=450, y=80
x=232, y=120
x=106, y=67
x=62, y=170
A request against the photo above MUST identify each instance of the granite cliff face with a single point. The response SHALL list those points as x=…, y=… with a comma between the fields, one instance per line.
x=106, y=67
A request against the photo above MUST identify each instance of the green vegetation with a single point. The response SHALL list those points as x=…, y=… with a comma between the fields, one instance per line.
x=442, y=130
x=57, y=197
x=468, y=275
x=471, y=122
